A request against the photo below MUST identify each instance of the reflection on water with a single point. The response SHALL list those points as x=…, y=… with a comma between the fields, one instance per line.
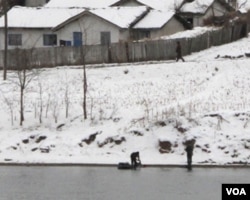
x=109, y=183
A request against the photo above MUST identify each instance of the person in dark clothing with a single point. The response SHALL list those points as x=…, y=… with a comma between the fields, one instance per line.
x=178, y=52
x=135, y=159
x=189, y=149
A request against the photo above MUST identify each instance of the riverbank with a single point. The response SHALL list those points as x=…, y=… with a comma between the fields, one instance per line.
x=153, y=108
x=116, y=165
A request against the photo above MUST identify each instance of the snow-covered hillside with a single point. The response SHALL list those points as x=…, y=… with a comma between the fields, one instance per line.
x=134, y=107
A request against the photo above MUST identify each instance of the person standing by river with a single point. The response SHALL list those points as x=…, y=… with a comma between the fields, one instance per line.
x=189, y=149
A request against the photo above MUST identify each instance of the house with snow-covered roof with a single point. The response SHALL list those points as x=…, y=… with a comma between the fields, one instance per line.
x=156, y=24
x=160, y=21
x=43, y=27
x=197, y=11
x=32, y=27
x=102, y=25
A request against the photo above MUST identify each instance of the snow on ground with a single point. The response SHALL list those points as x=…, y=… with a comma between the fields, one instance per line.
x=134, y=107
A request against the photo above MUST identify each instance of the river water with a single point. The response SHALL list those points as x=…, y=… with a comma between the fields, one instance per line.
x=109, y=183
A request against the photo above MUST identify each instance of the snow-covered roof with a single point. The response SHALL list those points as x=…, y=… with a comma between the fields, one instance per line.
x=80, y=3
x=197, y=6
x=44, y=17
x=243, y=5
x=154, y=19
x=122, y=17
x=158, y=4
x=162, y=4
x=27, y=17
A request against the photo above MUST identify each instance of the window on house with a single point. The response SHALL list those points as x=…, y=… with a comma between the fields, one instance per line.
x=105, y=38
x=77, y=39
x=146, y=34
x=49, y=39
x=190, y=21
x=140, y=34
x=65, y=43
x=15, y=39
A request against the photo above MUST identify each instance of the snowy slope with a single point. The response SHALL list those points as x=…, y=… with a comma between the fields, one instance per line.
x=134, y=107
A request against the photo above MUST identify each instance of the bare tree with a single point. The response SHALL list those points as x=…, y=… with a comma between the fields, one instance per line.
x=242, y=4
x=10, y=105
x=40, y=101
x=23, y=76
x=83, y=52
x=85, y=84
x=55, y=107
x=66, y=95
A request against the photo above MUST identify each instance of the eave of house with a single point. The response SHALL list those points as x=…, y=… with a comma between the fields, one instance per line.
x=121, y=2
x=26, y=17
x=122, y=17
x=165, y=5
x=79, y=3
x=154, y=20
x=193, y=7
x=196, y=7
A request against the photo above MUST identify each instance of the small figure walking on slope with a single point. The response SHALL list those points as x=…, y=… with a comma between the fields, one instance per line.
x=178, y=52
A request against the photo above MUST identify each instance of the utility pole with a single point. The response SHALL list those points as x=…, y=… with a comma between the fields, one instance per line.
x=5, y=9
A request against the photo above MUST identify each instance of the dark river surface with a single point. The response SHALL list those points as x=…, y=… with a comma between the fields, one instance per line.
x=109, y=183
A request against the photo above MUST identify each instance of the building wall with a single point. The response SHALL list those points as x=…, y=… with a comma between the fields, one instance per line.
x=31, y=38
x=173, y=26
x=91, y=27
x=215, y=10
x=233, y=3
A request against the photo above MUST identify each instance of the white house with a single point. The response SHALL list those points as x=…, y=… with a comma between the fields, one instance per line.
x=100, y=26
x=157, y=23
x=42, y=27
x=196, y=11
x=32, y=27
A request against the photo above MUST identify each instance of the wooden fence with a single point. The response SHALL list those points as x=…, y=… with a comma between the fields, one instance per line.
x=122, y=52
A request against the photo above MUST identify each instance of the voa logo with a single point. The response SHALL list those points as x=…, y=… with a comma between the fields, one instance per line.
x=236, y=191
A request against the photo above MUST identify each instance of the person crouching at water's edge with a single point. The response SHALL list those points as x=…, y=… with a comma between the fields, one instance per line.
x=135, y=160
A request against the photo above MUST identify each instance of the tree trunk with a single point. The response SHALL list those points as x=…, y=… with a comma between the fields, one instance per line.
x=21, y=106
x=84, y=92
x=5, y=40
x=85, y=85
